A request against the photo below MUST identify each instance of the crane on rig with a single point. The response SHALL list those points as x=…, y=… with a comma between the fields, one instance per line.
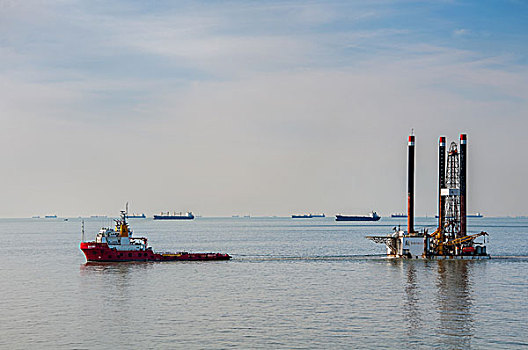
x=439, y=247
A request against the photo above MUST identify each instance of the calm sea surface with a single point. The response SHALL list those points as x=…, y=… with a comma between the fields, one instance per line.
x=293, y=284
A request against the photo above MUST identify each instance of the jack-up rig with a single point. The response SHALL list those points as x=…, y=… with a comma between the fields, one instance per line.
x=450, y=240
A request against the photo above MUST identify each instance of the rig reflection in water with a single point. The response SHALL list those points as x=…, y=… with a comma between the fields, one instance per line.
x=437, y=295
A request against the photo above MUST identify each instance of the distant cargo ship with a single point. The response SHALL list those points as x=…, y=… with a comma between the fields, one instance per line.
x=477, y=215
x=136, y=216
x=398, y=215
x=371, y=217
x=307, y=216
x=50, y=216
x=175, y=216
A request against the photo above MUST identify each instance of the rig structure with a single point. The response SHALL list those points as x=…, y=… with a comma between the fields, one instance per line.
x=450, y=240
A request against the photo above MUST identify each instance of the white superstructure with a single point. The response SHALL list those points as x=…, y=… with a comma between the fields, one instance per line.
x=121, y=237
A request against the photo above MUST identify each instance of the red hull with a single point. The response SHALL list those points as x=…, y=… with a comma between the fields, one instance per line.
x=102, y=253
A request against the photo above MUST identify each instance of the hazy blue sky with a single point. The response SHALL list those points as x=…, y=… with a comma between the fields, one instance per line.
x=258, y=107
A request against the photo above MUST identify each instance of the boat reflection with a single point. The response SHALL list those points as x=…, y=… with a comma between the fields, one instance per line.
x=90, y=268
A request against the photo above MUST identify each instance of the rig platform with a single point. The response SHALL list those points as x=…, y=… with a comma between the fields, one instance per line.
x=450, y=240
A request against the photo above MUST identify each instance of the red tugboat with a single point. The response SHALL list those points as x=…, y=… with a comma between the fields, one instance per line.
x=112, y=245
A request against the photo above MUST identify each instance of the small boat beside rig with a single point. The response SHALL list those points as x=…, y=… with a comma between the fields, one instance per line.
x=373, y=216
x=116, y=245
x=174, y=216
x=398, y=215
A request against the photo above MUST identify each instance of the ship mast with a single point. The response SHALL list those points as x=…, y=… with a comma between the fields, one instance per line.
x=121, y=224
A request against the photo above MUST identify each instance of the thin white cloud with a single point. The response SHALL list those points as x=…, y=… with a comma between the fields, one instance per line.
x=461, y=32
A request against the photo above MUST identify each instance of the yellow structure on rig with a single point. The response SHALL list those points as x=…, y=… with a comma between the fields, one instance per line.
x=463, y=244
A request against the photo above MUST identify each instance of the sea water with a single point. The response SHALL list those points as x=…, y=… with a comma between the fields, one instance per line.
x=292, y=284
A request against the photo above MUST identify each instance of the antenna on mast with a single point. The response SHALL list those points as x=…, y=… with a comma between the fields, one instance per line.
x=82, y=231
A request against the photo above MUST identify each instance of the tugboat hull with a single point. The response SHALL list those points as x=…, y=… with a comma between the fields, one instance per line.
x=101, y=252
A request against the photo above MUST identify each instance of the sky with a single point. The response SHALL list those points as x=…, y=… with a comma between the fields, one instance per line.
x=258, y=107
